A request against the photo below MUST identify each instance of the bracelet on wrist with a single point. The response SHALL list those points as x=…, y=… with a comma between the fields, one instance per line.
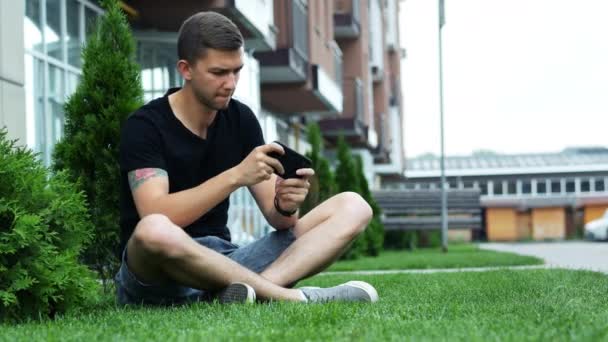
x=281, y=211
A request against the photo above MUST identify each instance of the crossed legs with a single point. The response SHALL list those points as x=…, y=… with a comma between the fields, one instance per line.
x=159, y=251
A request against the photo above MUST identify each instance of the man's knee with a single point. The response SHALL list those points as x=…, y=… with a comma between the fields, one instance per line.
x=353, y=205
x=155, y=234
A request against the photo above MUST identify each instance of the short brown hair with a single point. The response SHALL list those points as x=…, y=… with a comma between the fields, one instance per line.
x=207, y=30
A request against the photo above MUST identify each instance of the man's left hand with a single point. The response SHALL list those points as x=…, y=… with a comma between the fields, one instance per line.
x=292, y=192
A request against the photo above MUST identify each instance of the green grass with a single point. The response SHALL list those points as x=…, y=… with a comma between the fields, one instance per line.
x=508, y=305
x=465, y=255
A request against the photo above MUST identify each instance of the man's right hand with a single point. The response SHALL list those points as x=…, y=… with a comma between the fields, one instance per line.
x=258, y=166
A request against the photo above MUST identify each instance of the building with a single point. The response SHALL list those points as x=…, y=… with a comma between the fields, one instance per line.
x=336, y=62
x=525, y=196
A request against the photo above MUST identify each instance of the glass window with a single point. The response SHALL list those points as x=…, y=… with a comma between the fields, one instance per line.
x=497, y=188
x=526, y=187
x=34, y=102
x=556, y=186
x=585, y=185
x=73, y=34
x=570, y=185
x=32, y=26
x=599, y=185
x=541, y=187
x=483, y=186
x=511, y=187
x=89, y=20
x=52, y=32
x=49, y=76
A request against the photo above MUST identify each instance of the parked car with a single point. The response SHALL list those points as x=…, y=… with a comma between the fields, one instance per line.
x=597, y=229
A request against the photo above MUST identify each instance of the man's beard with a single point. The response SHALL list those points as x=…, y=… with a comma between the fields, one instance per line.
x=205, y=101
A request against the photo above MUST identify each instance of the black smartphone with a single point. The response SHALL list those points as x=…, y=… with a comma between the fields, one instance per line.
x=291, y=161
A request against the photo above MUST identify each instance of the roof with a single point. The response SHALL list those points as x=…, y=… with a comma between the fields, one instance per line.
x=571, y=160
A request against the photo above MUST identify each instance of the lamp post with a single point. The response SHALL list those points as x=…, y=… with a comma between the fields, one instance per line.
x=444, y=197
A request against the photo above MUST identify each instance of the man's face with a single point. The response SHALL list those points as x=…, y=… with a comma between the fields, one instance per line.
x=214, y=77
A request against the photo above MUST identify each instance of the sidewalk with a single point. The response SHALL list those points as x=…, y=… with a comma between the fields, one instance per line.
x=441, y=270
x=576, y=255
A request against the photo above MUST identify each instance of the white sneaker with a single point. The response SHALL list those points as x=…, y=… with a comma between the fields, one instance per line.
x=353, y=291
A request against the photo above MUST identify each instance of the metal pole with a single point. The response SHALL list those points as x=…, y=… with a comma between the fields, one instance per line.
x=444, y=197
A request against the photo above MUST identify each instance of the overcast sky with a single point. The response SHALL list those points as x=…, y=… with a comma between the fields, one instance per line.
x=519, y=75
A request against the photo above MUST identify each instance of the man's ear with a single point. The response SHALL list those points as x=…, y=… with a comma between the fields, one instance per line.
x=184, y=69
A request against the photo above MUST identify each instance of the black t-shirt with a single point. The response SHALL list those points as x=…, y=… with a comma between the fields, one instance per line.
x=153, y=137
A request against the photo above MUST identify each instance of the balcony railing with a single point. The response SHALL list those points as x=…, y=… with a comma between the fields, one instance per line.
x=300, y=27
x=289, y=62
x=338, y=65
x=347, y=22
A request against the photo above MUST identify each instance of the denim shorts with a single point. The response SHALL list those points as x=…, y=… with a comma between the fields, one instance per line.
x=255, y=256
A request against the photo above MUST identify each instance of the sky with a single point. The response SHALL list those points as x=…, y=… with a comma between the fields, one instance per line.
x=520, y=76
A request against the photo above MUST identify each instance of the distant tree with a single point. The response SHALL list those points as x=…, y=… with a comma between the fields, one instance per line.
x=374, y=234
x=108, y=91
x=347, y=179
x=322, y=185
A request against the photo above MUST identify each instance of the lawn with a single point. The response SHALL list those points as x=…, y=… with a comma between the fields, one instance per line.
x=464, y=255
x=497, y=305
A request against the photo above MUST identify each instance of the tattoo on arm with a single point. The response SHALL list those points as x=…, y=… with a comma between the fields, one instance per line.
x=140, y=176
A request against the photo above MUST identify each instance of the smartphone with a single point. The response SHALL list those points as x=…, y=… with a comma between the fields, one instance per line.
x=291, y=161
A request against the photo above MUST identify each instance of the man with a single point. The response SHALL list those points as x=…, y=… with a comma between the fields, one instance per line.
x=182, y=155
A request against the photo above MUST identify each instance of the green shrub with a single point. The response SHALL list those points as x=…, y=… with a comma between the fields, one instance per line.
x=395, y=239
x=347, y=179
x=374, y=234
x=44, y=225
x=322, y=185
x=108, y=91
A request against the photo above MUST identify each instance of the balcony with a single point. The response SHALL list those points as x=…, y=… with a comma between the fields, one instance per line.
x=351, y=124
x=320, y=94
x=254, y=18
x=395, y=164
x=347, y=19
x=289, y=62
x=382, y=152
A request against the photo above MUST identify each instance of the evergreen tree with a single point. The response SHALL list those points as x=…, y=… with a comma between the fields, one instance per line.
x=322, y=184
x=374, y=234
x=108, y=91
x=347, y=179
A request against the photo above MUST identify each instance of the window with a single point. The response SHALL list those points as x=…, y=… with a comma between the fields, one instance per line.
x=599, y=185
x=570, y=187
x=541, y=187
x=512, y=187
x=585, y=185
x=497, y=188
x=483, y=186
x=556, y=187
x=53, y=36
x=526, y=187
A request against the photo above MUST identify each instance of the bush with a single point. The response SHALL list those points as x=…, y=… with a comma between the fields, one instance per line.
x=322, y=184
x=395, y=239
x=108, y=91
x=374, y=234
x=44, y=225
x=347, y=179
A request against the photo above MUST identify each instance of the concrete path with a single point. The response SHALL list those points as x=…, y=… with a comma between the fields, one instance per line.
x=438, y=270
x=573, y=255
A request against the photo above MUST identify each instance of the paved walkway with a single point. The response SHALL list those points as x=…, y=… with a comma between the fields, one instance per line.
x=438, y=270
x=576, y=255
x=585, y=255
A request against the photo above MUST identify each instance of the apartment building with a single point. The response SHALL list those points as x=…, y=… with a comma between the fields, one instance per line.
x=336, y=62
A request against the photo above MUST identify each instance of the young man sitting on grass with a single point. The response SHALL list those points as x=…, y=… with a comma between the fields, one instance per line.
x=182, y=155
